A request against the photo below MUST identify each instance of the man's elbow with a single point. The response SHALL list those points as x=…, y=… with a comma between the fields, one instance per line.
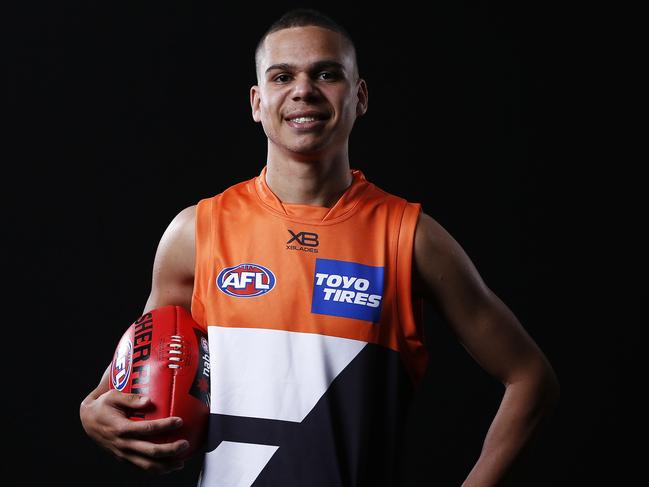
x=541, y=385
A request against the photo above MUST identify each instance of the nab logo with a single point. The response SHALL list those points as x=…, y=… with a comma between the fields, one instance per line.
x=246, y=280
x=120, y=369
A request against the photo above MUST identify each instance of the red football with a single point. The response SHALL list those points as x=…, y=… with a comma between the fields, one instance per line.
x=164, y=355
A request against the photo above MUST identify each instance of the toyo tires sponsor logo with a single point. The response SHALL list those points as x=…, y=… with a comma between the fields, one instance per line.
x=120, y=368
x=246, y=280
x=347, y=289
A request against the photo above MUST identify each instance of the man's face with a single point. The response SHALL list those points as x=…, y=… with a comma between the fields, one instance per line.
x=307, y=71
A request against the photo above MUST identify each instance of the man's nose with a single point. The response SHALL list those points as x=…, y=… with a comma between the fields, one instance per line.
x=304, y=87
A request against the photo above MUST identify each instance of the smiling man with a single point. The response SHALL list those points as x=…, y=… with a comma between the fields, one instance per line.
x=309, y=280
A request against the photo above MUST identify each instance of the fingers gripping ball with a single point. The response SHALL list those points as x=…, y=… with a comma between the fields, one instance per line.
x=164, y=355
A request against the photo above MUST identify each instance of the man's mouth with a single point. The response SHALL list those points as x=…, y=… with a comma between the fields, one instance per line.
x=303, y=119
x=307, y=122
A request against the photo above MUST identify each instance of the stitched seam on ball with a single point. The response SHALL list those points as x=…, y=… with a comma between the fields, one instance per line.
x=173, y=377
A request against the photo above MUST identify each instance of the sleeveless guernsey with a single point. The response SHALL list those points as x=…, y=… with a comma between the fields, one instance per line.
x=316, y=344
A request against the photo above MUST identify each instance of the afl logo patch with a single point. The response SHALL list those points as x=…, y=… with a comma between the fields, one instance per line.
x=120, y=369
x=246, y=280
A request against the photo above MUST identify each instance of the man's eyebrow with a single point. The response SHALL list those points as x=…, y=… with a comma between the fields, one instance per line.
x=314, y=67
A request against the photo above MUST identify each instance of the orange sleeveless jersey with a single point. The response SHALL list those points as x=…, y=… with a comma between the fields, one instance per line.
x=316, y=343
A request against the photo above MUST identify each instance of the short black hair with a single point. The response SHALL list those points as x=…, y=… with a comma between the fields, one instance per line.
x=303, y=17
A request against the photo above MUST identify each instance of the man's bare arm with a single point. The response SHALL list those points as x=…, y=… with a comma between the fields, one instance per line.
x=102, y=412
x=173, y=268
x=494, y=337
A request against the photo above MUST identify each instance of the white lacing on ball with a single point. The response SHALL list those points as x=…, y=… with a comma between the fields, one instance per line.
x=175, y=348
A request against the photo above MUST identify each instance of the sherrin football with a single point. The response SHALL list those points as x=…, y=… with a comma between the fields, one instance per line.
x=164, y=355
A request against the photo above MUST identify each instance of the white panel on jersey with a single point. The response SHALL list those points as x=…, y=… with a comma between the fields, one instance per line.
x=235, y=464
x=273, y=374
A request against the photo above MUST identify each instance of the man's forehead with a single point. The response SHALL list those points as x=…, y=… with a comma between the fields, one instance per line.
x=304, y=47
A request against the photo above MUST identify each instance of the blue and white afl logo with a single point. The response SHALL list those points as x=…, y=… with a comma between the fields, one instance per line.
x=204, y=344
x=120, y=369
x=246, y=280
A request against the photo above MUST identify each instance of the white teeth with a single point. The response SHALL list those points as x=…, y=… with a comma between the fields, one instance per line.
x=303, y=119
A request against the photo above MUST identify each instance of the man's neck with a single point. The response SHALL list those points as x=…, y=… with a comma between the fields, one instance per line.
x=313, y=182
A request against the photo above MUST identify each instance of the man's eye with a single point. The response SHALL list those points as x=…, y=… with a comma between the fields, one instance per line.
x=328, y=75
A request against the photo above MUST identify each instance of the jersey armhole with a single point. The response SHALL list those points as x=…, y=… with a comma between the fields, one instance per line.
x=409, y=308
x=203, y=244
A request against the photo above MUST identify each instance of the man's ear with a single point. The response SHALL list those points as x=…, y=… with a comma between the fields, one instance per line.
x=255, y=102
x=361, y=106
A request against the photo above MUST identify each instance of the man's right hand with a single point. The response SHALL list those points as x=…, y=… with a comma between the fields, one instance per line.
x=103, y=411
x=105, y=421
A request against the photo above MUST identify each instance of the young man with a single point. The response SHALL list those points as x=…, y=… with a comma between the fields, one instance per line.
x=316, y=355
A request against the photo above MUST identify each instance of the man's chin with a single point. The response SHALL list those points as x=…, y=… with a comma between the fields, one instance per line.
x=307, y=149
x=303, y=147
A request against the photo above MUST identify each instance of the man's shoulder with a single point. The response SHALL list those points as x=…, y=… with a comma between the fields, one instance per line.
x=380, y=196
x=378, y=189
x=378, y=192
x=182, y=224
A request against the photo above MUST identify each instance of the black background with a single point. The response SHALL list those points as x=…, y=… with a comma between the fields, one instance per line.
x=511, y=125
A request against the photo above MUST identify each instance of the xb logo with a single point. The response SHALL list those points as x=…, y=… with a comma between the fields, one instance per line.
x=306, y=239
